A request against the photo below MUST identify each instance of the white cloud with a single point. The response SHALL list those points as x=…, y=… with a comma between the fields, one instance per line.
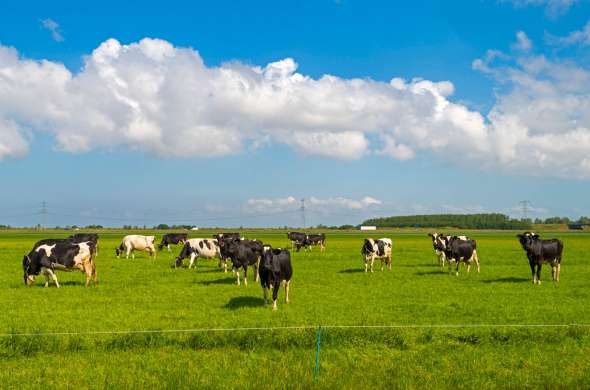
x=12, y=142
x=163, y=100
x=290, y=203
x=53, y=27
x=523, y=43
x=553, y=8
x=581, y=37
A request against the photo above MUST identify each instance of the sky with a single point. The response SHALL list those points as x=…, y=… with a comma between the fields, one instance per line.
x=232, y=113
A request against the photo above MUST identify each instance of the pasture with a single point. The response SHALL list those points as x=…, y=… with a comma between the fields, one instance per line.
x=328, y=288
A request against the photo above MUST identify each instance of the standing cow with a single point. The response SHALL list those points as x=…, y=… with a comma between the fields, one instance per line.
x=459, y=250
x=373, y=249
x=136, y=242
x=439, y=244
x=63, y=255
x=295, y=237
x=542, y=251
x=275, y=267
x=244, y=253
x=198, y=247
x=172, y=239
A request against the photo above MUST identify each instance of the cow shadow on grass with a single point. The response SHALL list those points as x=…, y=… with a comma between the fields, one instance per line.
x=227, y=280
x=351, y=271
x=240, y=302
x=507, y=280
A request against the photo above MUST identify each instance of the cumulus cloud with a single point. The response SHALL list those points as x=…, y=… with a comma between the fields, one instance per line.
x=163, y=100
x=53, y=27
x=553, y=8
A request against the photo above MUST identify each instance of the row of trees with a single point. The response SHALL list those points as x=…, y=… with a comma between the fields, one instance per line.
x=462, y=221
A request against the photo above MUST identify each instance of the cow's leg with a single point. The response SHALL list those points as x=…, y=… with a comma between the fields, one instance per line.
x=539, y=266
x=558, y=270
x=94, y=273
x=476, y=260
x=457, y=268
x=287, y=282
x=53, y=276
x=389, y=258
x=382, y=258
x=169, y=250
x=237, y=271
x=372, y=262
x=256, y=269
x=245, y=275
x=469, y=267
x=192, y=259
x=46, y=274
x=265, y=293
x=275, y=293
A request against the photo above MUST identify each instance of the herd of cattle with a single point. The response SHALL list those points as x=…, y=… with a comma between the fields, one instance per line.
x=271, y=265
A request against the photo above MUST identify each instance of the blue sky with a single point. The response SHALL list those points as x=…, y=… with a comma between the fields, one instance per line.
x=223, y=116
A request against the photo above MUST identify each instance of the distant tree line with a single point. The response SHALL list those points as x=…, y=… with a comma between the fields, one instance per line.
x=563, y=220
x=164, y=226
x=462, y=221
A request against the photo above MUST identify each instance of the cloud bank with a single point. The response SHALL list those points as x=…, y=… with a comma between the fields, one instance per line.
x=156, y=98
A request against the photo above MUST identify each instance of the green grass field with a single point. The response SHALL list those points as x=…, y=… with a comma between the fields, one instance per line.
x=327, y=289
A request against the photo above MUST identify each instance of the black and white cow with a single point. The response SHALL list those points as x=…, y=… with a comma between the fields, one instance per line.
x=223, y=236
x=275, y=267
x=85, y=237
x=312, y=239
x=244, y=253
x=50, y=255
x=373, y=249
x=172, y=239
x=459, y=250
x=135, y=242
x=295, y=237
x=207, y=248
x=439, y=242
x=542, y=251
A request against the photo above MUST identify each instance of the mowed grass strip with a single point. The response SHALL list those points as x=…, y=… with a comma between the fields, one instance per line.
x=328, y=288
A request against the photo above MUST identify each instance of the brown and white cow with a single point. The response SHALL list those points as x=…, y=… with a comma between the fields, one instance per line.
x=62, y=255
x=135, y=242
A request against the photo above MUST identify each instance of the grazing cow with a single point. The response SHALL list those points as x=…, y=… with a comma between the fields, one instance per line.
x=198, y=247
x=172, y=239
x=439, y=242
x=61, y=255
x=542, y=251
x=295, y=237
x=84, y=237
x=459, y=250
x=244, y=253
x=373, y=249
x=275, y=267
x=135, y=242
x=312, y=239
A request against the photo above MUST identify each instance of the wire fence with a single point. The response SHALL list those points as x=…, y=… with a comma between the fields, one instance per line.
x=297, y=327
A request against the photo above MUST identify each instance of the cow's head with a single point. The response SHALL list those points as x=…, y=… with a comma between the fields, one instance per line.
x=368, y=246
x=526, y=240
x=29, y=276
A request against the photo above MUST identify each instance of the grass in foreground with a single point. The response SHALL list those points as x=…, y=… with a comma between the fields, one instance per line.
x=327, y=289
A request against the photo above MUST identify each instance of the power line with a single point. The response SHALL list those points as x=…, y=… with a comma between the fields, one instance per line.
x=303, y=211
x=525, y=205
x=43, y=212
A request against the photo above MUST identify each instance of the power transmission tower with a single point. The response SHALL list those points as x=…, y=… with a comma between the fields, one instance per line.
x=43, y=214
x=302, y=209
x=525, y=205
